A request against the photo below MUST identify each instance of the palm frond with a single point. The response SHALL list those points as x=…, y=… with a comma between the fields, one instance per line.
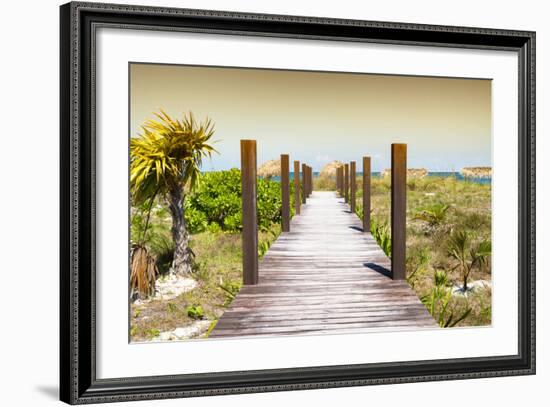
x=168, y=153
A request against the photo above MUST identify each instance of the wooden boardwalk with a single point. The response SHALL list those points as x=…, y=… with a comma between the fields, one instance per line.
x=324, y=276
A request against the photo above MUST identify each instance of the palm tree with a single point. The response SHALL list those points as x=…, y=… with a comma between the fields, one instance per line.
x=467, y=258
x=165, y=160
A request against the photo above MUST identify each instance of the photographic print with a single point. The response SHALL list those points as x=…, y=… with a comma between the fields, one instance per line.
x=311, y=202
x=270, y=202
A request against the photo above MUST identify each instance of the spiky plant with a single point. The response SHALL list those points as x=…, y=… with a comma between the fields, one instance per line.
x=467, y=257
x=438, y=302
x=434, y=215
x=165, y=160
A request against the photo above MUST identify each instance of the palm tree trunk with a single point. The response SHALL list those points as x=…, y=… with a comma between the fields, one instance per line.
x=181, y=264
x=465, y=274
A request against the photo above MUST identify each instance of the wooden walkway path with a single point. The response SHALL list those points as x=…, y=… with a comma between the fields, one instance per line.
x=324, y=276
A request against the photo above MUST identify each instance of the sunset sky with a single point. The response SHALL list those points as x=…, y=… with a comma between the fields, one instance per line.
x=317, y=117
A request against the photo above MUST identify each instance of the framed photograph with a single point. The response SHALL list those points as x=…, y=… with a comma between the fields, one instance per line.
x=255, y=203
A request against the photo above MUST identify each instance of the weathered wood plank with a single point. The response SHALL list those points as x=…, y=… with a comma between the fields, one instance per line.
x=327, y=275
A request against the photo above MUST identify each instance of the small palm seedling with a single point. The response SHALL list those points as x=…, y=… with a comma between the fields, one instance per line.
x=466, y=256
x=438, y=302
x=434, y=215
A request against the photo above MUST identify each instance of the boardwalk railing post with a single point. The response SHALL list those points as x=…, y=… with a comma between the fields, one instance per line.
x=398, y=210
x=305, y=179
x=341, y=178
x=310, y=180
x=249, y=208
x=285, y=193
x=353, y=185
x=338, y=179
x=304, y=189
x=346, y=183
x=366, y=194
x=297, y=199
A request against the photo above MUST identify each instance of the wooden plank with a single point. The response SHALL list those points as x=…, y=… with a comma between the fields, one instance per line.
x=250, y=211
x=366, y=194
x=319, y=329
x=297, y=199
x=353, y=185
x=324, y=276
x=398, y=209
x=285, y=193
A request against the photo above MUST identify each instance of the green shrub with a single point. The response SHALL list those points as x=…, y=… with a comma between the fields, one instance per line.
x=217, y=196
x=196, y=220
x=195, y=312
x=218, y=200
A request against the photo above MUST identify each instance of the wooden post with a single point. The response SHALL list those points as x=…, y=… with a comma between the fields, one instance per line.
x=346, y=182
x=310, y=180
x=285, y=194
x=353, y=185
x=337, y=179
x=366, y=194
x=306, y=179
x=398, y=210
x=304, y=190
x=297, y=201
x=341, y=178
x=249, y=208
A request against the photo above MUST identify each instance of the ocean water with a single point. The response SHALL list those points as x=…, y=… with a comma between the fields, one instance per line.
x=457, y=175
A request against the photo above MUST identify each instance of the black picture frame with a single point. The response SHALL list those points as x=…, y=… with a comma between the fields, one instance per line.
x=78, y=382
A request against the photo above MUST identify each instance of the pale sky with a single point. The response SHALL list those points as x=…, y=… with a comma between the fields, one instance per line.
x=317, y=117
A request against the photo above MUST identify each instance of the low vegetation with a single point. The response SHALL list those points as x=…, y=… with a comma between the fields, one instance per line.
x=448, y=247
x=213, y=216
x=448, y=244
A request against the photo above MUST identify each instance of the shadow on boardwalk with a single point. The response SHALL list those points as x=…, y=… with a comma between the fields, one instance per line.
x=324, y=276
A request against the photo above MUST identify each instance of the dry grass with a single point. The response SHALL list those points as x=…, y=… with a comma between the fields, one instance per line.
x=218, y=271
x=469, y=209
x=324, y=183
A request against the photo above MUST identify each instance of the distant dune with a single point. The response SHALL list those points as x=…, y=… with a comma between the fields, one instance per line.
x=329, y=170
x=269, y=169
x=411, y=172
x=476, y=172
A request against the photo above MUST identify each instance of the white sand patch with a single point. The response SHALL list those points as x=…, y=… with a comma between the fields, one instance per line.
x=472, y=288
x=194, y=330
x=169, y=287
